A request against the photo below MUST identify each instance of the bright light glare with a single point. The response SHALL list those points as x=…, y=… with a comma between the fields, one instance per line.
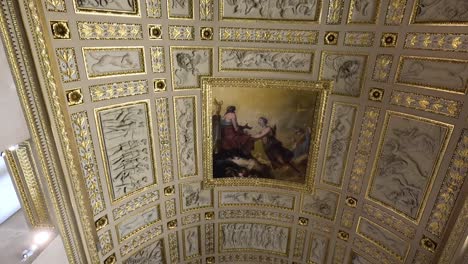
x=13, y=148
x=34, y=247
x=41, y=237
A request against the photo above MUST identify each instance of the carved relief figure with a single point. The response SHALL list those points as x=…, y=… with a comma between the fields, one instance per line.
x=346, y=70
x=257, y=198
x=318, y=249
x=276, y=148
x=124, y=6
x=194, y=197
x=153, y=253
x=268, y=60
x=322, y=203
x=405, y=167
x=442, y=73
x=186, y=141
x=271, y=9
x=441, y=11
x=340, y=138
x=356, y=259
x=105, y=62
x=128, y=152
x=188, y=65
x=192, y=239
x=364, y=11
x=180, y=8
x=254, y=236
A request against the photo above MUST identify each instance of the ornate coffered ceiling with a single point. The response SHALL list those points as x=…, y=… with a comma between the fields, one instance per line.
x=113, y=94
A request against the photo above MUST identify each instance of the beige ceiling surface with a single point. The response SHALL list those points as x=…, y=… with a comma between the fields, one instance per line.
x=392, y=155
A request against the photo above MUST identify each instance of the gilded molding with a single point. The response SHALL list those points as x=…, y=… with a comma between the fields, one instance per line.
x=363, y=150
x=181, y=32
x=170, y=206
x=114, y=90
x=105, y=243
x=347, y=218
x=109, y=31
x=66, y=59
x=437, y=41
x=251, y=258
x=141, y=239
x=237, y=34
x=23, y=72
x=335, y=12
x=164, y=133
x=450, y=189
x=173, y=247
x=206, y=10
x=299, y=243
x=190, y=219
x=135, y=204
x=382, y=68
x=395, y=12
x=456, y=236
x=56, y=5
x=80, y=124
x=256, y=214
x=386, y=219
x=157, y=59
x=209, y=238
x=153, y=8
x=359, y=38
x=437, y=105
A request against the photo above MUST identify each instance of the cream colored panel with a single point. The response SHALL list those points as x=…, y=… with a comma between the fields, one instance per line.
x=105, y=62
x=153, y=253
x=409, y=156
x=231, y=198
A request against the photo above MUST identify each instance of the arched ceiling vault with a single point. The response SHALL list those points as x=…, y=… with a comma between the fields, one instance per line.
x=366, y=97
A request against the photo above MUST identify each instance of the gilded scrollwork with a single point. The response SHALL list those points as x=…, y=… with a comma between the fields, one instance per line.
x=105, y=242
x=363, y=150
x=67, y=63
x=359, y=38
x=382, y=67
x=209, y=238
x=80, y=124
x=388, y=220
x=395, y=12
x=109, y=31
x=206, y=10
x=114, y=90
x=437, y=41
x=181, y=32
x=157, y=59
x=451, y=187
x=339, y=253
x=254, y=198
x=170, y=206
x=56, y=5
x=236, y=34
x=299, y=243
x=164, y=133
x=251, y=258
x=153, y=8
x=190, y=219
x=374, y=251
x=173, y=248
x=335, y=12
x=347, y=218
x=427, y=103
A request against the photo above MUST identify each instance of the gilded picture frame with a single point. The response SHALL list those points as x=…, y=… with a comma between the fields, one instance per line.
x=283, y=171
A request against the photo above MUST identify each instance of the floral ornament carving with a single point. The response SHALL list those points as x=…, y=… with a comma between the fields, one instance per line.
x=364, y=147
x=105, y=241
x=74, y=97
x=437, y=41
x=60, y=29
x=382, y=68
x=109, y=31
x=206, y=10
x=359, y=39
x=108, y=91
x=164, y=133
x=67, y=63
x=140, y=239
x=451, y=187
x=395, y=12
x=153, y=8
x=427, y=103
x=80, y=124
x=299, y=243
x=181, y=32
x=173, y=247
x=335, y=12
x=268, y=35
x=157, y=59
x=256, y=214
x=389, y=221
x=135, y=204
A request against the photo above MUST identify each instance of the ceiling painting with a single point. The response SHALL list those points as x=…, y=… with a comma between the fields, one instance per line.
x=364, y=101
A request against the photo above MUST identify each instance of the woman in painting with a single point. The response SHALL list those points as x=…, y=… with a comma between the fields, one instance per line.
x=234, y=139
x=278, y=155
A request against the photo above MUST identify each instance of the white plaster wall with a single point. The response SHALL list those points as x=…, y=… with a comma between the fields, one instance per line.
x=14, y=129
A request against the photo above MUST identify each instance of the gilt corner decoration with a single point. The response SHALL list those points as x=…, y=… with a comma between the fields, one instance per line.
x=262, y=132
